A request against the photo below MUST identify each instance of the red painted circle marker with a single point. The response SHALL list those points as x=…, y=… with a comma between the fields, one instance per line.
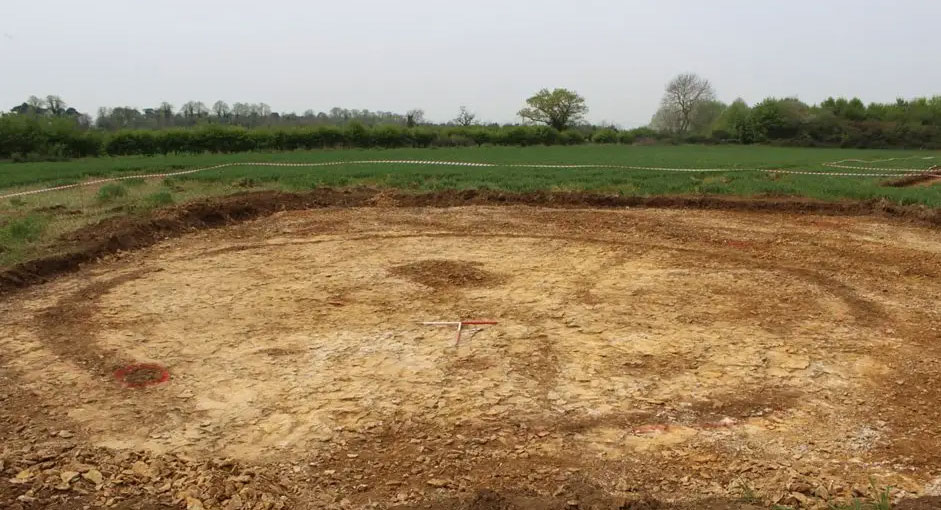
x=140, y=375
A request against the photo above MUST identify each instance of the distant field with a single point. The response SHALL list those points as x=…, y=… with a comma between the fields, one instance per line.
x=28, y=224
x=517, y=179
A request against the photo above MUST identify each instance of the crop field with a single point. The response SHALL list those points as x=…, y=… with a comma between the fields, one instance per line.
x=23, y=176
x=245, y=337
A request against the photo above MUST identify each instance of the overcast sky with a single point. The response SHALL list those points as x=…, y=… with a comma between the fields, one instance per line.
x=440, y=54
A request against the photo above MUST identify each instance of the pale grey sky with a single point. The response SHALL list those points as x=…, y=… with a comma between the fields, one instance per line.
x=440, y=54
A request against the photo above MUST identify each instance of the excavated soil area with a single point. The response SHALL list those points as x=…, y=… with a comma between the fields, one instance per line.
x=643, y=359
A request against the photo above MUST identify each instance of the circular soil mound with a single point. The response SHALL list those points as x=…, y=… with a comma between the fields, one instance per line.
x=445, y=274
x=639, y=355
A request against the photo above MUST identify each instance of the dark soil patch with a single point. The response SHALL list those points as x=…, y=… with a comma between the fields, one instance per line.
x=278, y=351
x=492, y=500
x=69, y=325
x=933, y=176
x=759, y=402
x=132, y=232
x=51, y=208
x=927, y=503
x=446, y=274
x=471, y=364
x=59, y=209
x=143, y=375
x=138, y=376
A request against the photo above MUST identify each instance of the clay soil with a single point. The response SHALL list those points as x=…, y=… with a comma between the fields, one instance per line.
x=644, y=358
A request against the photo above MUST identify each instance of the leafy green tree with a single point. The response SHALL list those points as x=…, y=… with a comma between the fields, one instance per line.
x=855, y=110
x=357, y=135
x=705, y=116
x=852, y=109
x=778, y=119
x=606, y=135
x=559, y=109
x=480, y=135
x=736, y=121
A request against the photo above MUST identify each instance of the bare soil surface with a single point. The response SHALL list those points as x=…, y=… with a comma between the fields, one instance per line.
x=929, y=178
x=643, y=359
x=133, y=232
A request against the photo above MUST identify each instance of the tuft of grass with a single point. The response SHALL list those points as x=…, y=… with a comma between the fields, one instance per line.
x=878, y=500
x=134, y=183
x=17, y=202
x=159, y=199
x=244, y=182
x=111, y=192
x=173, y=184
x=748, y=494
x=17, y=234
x=22, y=230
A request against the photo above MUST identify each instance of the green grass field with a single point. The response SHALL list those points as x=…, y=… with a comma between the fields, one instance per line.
x=31, y=223
x=408, y=176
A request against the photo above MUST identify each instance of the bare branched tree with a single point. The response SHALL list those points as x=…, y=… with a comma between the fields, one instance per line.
x=56, y=105
x=192, y=109
x=465, y=117
x=414, y=117
x=683, y=95
x=221, y=109
x=165, y=110
x=36, y=103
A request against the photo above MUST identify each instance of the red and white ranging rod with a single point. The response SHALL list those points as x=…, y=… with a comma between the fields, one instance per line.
x=460, y=326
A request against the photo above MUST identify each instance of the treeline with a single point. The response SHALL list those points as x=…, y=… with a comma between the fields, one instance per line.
x=833, y=123
x=250, y=115
x=25, y=139
x=44, y=129
x=41, y=137
x=197, y=113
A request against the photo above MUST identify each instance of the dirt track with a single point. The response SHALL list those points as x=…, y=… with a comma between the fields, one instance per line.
x=642, y=355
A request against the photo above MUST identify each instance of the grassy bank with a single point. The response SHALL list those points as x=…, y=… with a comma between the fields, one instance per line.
x=28, y=225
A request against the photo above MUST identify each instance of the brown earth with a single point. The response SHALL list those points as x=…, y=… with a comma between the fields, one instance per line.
x=446, y=274
x=644, y=359
x=132, y=232
x=929, y=178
